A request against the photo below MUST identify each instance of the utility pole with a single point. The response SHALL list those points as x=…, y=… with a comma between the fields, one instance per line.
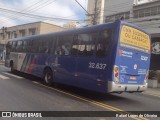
x=95, y=13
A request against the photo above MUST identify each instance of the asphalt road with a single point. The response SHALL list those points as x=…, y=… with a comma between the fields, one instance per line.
x=21, y=92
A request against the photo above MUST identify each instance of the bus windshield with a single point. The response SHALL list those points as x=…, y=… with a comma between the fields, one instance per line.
x=134, y=39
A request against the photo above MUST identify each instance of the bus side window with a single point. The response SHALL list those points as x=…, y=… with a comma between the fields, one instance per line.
x=8, y=47
x=25, y=46
x=52, y=45
x=29, y=46
x=19, y=46
x=35, y=46
x=103, y=43
x=75, y=45
x=86, y=44
x=43, y=45
x=64, y=45
x=14, y=44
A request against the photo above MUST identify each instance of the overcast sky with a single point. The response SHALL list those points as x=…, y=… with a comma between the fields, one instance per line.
x=67, y=9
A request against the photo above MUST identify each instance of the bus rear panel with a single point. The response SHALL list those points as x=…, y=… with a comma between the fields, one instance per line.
x=130, y=72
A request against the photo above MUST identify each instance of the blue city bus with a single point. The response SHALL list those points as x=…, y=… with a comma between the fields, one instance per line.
x=112, y=57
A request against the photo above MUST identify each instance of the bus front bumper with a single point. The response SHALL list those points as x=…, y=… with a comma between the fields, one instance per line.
x=113, y=87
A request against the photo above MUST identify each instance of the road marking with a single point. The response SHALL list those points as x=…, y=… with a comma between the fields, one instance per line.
x=4, y=77
x=155, y=95
x=108, y=107
x=10, y=74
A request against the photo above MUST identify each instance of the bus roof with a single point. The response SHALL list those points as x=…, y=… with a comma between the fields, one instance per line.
x=81, y=30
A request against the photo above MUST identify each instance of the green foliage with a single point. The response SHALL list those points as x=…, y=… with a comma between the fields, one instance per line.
x=152, y=74
x=158, y=75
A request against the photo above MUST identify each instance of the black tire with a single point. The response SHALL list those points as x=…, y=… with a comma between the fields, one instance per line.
x=48, y=77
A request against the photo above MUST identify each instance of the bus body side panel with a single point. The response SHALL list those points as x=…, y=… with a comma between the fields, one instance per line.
x=16, y=58
x=91, y=73
x=63, y=68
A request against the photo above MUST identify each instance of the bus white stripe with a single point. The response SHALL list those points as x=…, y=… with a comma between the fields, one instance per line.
x=4, y=77
x=12, y=75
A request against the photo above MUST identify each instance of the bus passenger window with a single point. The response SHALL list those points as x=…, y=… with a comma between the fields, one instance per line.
x=35, y=46
x=74, y=48
x=29, y=45
x=43, y=45
x=8, y=48
x=24, y=46
x=19, y=47
x=14, y=44
x=64, y=45
x=103, y=43
x=85, y=44
x=51, y=45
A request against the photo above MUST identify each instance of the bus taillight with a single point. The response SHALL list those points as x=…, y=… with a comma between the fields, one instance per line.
x=116, y=74
x=147, y=75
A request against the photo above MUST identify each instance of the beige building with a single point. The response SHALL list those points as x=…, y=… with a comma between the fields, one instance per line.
x=70, y=25
x=7, y=33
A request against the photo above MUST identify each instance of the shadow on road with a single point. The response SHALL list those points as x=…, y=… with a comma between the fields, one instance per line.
x=82, y=92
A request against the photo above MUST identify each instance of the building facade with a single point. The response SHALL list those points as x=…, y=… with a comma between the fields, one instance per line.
x=7, y=33
x=144, y=13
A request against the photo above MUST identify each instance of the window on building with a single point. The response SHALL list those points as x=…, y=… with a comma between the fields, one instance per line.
x=154, y=10
x=147, y=12
x=1, y=35
x=151, y=11
x=123, y=16
x=8, y=35
x=32, y=31
x=14, y=34
x=127, y=15
x=22, y=33
x=158, y=9
x=141, y=13
x=135, y=14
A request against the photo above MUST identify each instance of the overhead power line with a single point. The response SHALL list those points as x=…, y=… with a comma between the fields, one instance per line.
x=35, y=6
x=35, y=16
x=83, y=7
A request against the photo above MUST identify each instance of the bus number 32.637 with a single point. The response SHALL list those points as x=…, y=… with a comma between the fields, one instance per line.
x=97, y=65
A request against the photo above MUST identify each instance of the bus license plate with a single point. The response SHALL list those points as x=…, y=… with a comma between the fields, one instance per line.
x=132, y=78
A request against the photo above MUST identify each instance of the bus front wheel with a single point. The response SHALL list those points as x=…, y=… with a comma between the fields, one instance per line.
x=48, y=77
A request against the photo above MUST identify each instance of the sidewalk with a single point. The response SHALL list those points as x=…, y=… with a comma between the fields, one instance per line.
x=153, y=91
x=1, y=62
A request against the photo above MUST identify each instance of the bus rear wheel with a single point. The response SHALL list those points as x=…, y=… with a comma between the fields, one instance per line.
x=48, y=77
